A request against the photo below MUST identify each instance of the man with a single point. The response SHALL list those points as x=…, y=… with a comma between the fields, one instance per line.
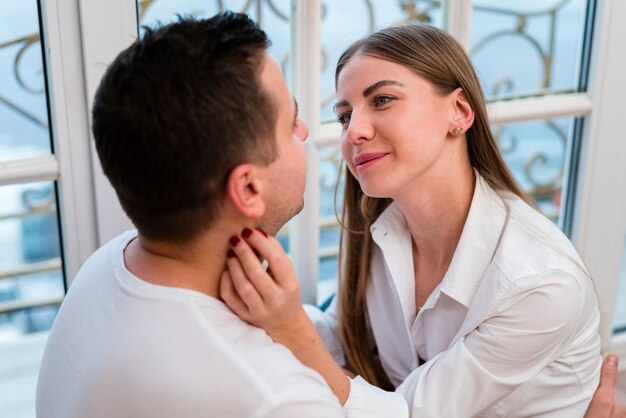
x=604, y=402
x=200, y=138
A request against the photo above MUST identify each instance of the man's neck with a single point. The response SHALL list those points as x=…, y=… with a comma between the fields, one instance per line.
x=197, y=265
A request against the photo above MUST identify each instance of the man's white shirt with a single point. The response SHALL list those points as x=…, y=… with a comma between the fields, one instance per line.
x=122, y=347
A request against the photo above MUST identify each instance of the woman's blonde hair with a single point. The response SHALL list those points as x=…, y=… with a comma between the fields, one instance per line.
x=435, y=56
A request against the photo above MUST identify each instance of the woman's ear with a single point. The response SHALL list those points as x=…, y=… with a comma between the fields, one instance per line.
x=462, y=115
x=244, y=189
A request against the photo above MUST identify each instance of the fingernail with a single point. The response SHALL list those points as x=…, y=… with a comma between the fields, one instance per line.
x=612, y=361
x=234, y=240
x=262, y=232
x=230, y=254
x=246, y=233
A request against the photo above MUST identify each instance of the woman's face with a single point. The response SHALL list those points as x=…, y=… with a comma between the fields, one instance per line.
x=395, y=126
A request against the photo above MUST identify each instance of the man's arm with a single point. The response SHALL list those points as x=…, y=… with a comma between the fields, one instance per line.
x=604, y=403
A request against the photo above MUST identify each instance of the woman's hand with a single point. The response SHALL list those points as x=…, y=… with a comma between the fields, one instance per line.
x=267, y=299
x=271, y=300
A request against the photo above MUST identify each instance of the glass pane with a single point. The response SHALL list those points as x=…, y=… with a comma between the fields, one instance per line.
x=536, y=152
x=31, y=289
x=619, y=324
x=526, y=47
x=23, y=110
x=364, y=17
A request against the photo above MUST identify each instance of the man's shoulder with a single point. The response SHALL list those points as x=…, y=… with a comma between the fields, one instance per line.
x=194, y=350
x=104, y=259
x=231, y=365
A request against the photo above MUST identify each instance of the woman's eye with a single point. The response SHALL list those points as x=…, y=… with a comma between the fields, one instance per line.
x=381, y=100
x=343, y=118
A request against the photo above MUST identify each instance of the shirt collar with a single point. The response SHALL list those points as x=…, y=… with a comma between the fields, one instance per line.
x=477, y=245
x=390, y=220
x=391, y=234
x=474, y=252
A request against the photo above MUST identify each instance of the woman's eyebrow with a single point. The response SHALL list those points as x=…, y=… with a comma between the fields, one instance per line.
x=370, y=90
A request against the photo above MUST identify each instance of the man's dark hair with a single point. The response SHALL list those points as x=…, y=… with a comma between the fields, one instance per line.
x=175, y=113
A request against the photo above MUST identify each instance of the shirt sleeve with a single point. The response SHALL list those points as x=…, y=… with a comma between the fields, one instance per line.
x=527, y=329
x=327, y=325
x=368, y=401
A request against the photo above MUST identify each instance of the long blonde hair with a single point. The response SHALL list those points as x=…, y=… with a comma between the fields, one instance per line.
x=435, y=56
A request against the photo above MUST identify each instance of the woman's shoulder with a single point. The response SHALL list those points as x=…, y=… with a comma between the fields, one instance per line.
x=532, y=244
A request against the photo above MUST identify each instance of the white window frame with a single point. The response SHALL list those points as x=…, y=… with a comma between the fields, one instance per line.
x=100, y=46
x=600, y=218
x=70, y=163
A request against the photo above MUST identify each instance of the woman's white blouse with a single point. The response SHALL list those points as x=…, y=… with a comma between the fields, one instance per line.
x=511, y=331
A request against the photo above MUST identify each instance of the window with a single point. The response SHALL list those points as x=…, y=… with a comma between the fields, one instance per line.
x=38, y=248
x=31, y=276
x=552, y=70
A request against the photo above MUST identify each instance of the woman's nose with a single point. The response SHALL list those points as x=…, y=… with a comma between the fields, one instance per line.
x=359, y=129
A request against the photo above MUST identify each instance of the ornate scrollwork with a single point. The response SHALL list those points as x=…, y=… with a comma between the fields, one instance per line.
x=221, y=5
x=542, y=190
x=25, y=43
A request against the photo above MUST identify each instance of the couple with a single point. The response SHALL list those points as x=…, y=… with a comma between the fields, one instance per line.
x=199, y=136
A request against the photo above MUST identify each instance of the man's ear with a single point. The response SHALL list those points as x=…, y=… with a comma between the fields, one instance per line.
x=244, y=189
x=462, y=114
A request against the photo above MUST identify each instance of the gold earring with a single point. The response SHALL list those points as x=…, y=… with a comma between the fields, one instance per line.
x=458, y=130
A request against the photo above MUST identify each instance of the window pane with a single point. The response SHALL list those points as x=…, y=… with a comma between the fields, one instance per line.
x=536, y=152
x=23, y=110
x=31, y=289
x=364, y=17
x=523, y=47
x=619, y=323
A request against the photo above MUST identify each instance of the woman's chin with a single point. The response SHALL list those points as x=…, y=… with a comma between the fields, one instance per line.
x=377, y=192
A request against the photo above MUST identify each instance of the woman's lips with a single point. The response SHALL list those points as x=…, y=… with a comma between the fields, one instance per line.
x=365, y=161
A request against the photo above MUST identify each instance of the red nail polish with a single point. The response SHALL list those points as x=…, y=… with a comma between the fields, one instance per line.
x=234, y=240
x=230, y=254
x=262, y=232
x=246, y=233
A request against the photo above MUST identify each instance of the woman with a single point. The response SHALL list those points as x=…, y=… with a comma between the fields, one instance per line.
x=456, y=295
